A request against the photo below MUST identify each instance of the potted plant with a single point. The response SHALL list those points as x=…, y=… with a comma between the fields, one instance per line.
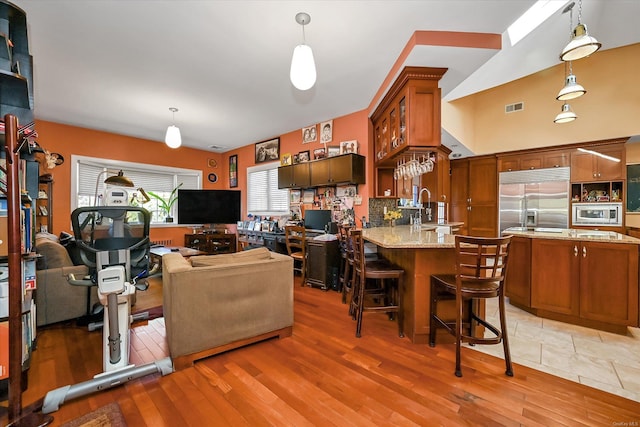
x=165, y=204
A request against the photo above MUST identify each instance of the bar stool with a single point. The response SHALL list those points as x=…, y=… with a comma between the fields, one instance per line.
x=296, y=240
x=384, y=274
x=346, y=260
x=481, y=267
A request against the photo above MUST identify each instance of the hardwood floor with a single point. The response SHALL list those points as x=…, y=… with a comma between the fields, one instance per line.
x=322, y=375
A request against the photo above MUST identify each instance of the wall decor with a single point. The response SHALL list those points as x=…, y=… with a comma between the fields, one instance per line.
x=326, y=131
x=268, y=150
x=349, y=147
x=233, y=171
x=295, y=159
x=333, y=151
x=309, y=134
x=319, y=153
x=212, y=177
x=303, y=156
x=212, y=163
x=286, y=160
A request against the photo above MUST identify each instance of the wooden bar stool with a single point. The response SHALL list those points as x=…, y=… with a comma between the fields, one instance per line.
x=386, y=286
x=481, y=267
x=296, y=240
x=346, y=261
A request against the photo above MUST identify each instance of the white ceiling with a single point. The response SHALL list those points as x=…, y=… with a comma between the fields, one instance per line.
x=118, y=66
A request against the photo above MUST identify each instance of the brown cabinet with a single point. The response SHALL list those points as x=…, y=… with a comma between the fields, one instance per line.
x=537, y=160
x=345, y=169
x=474, y=196
x=294, y=176
x=591, y=167
x=593, y=282
x=518, y=281
x=211, y=243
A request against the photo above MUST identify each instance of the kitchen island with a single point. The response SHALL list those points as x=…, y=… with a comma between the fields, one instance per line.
x=584, y=277
x=420, y=253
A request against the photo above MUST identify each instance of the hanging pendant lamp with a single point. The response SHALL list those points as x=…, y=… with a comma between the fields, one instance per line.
x=566, y=115
x=581, y=44
x=571, y=89
x=303, y=66
x=172, y=137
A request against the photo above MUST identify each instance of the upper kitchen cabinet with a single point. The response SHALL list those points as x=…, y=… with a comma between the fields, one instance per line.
x=345, y=169
x=408, y=115
x=598, y=163
x=294, y=176
x=536, y=160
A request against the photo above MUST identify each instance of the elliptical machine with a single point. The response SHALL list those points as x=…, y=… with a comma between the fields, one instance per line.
x=114, y=243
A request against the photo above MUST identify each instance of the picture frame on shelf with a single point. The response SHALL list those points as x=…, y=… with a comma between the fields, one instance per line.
x=326, y=131
x=349, y=147
x=303, y=156
x=319, y=153
x=233, y=171
x=286, y=160
x=309, y=134
x=267, y=151
x=295, y=159
x=333, y=151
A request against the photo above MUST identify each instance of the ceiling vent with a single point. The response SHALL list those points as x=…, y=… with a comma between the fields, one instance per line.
x=512, y=108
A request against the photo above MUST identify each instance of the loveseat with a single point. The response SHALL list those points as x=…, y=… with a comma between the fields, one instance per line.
x=56, y=299
x=214, y=303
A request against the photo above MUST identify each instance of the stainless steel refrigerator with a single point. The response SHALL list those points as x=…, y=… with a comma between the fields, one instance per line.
x=536, y=198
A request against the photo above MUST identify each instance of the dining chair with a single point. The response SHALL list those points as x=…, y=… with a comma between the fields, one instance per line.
x=296, y=241
x=377, y=286
x=481, y=268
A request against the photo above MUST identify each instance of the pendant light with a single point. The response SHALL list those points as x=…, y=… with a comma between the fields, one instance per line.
x=566, y=115
x=173, y=138
x=571, y=89
x=303, y=67
x=581, y=44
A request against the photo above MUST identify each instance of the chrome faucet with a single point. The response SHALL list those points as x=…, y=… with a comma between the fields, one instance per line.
x=427, y=209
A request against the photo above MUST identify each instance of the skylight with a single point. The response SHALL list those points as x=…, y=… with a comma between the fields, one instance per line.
x=532, y=18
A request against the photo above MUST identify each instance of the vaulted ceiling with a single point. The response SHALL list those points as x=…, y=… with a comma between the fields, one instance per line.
x=118, y=66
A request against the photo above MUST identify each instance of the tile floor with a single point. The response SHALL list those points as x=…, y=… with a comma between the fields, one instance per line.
x=602, y=360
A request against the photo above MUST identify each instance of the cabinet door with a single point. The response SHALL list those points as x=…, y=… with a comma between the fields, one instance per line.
x=609, y=283
x=458, y=208
x=346, y=169
x=555, y=279
x=508, y=163
x=483, y=198
x=443, y=170
x=518, y=280
x=423, y=116
x=582, y=167
x=531, y=161
x=320, y=172
x=608, y=169
x=301, y=178
x=285, y=176
x=555, y=159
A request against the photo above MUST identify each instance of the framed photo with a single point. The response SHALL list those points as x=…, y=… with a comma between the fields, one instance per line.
x=285, y=160
x=309, y=134
x=303, y=156
x=346, y=191
x=294, y=196
x=326, y=131
x=319, y=153
x=267, y=151
x=349, y=147
x=308, y=196
x=295, y=159
x=333, y=151
x=233, y=171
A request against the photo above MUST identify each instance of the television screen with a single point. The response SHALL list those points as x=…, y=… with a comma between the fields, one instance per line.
x=208, y=206
x=317, y=219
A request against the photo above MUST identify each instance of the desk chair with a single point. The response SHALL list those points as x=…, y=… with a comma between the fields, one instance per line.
x=481, y=267
x=296, y=240
x=373, y=286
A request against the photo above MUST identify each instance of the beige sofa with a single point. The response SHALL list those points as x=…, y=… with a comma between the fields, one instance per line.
x=214, y=303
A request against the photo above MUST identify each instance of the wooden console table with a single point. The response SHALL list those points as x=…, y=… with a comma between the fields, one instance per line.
x=211, y=243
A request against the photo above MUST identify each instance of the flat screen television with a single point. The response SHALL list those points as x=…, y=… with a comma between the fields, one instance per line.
x=317, y=219
x=208, y=206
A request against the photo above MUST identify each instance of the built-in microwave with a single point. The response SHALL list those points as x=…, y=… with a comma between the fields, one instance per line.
x=597, y=214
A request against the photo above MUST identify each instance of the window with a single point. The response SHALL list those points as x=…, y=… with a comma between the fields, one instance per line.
x=88, y=175
x=263, y=195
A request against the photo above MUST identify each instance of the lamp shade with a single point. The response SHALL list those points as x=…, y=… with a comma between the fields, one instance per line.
x=581, y=45
x=119, y=180
x=303, y=68
x=571, y=89
x=173, y=138
x=566, y=115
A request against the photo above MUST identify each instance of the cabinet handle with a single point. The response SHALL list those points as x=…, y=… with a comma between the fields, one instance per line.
x=584, y=252
x=575, y=250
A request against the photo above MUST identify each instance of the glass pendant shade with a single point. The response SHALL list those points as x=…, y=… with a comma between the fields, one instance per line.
x=303, y=68
x=581, y=45
x=173, y=138
x=571, y=89
x=566, y=115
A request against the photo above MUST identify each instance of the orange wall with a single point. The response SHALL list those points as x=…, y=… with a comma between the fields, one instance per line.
x=67, y=140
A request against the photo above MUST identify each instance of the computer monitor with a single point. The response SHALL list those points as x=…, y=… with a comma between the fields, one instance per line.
x=317, y=219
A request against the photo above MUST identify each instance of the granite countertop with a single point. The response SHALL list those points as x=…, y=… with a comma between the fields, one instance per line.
x=572, y=234
x=406, y=237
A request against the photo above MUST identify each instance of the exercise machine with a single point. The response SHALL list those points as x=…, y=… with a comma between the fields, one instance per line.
x=114, y=244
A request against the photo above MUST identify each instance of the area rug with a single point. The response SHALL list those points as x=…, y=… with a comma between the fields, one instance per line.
x=106, y=416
